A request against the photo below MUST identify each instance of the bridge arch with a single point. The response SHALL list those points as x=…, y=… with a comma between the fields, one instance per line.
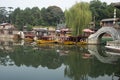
x=95, y=38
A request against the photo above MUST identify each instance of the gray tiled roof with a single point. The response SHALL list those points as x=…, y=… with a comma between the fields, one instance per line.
x=117, y=5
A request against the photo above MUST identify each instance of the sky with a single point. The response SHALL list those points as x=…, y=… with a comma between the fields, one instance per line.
x=63, y=4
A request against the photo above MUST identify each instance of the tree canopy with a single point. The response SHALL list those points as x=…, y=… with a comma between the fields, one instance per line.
x=78, y=17
x=3, y=14
x=53, y=15
x=100, y=10
x=50, y=16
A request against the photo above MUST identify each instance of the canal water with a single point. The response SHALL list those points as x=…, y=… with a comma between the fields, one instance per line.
x=28, y=61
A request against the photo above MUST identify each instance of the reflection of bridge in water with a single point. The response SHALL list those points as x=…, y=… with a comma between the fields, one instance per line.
x=103, y=56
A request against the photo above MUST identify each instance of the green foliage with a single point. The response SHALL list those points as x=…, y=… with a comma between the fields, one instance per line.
x=52, y=15
x=29, y=27
x=78, y=17
x=100, y=10
x=3, y=14
x=36, y=17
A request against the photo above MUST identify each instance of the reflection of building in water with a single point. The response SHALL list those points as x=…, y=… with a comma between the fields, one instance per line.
x=7, y=43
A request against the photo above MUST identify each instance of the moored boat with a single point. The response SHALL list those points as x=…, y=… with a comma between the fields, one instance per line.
x=29, y=39
x=45, y=41
x=68, y=42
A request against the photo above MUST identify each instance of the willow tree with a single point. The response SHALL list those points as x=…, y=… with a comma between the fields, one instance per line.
x=78, y=17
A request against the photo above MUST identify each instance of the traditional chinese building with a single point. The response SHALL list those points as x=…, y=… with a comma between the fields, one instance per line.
x=7, y=30
x=109, y=22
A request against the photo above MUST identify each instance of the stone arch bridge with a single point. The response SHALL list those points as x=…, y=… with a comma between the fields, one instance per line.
x=95, y=38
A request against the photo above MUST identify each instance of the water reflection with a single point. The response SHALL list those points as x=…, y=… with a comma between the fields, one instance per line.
x=80, y=62
x=103, y=55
